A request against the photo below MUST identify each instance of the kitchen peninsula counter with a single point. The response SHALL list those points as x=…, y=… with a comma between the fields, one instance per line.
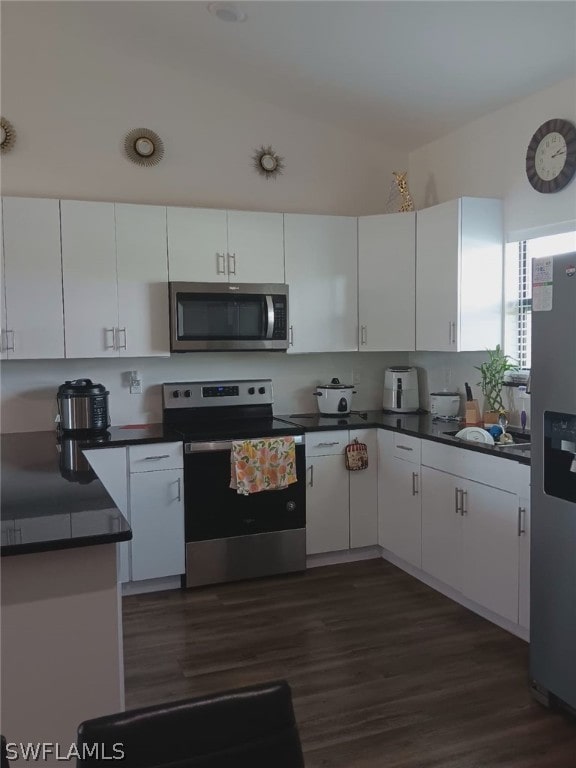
x=46, y=505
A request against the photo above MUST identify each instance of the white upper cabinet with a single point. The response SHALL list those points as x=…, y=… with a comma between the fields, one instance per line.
x=459, y=258
x=387, y=282
x=208, y=246
x=33, y=324
x=255, y=247
x=90, y=285
x=142, y=268
x=321, y=271
x=115, y=274
x=197, y=245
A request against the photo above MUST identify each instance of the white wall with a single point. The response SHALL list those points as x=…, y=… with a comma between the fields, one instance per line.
x=29, y=386
x=486, y=158
x=72, y=96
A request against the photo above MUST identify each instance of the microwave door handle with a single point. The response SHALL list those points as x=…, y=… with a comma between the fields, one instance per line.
x=270, y=317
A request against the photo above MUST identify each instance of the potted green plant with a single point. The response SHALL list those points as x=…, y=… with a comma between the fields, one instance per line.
x=493, y=372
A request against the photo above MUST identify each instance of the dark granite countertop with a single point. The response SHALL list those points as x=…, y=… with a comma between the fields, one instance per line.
x=418, y=425
x=51, y=499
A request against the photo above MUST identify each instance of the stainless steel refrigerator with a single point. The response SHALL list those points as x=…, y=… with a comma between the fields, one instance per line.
x=553, y=482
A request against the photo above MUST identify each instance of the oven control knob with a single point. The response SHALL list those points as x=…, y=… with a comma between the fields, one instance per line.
x=187, y=393
x=262, y=390
x=176, y=393
x=251, y=390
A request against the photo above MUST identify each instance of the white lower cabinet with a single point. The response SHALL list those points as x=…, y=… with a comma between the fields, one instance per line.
x=341, y=506
x=441, y=527
x=327, y=505
x=364, y=494
x=157, y=520
x=399, y=505
x=474, y=535
x=153, y=502
x=490, y=548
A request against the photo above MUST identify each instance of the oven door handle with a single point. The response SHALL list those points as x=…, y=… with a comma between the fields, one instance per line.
x=269, y=317
x=225, y=445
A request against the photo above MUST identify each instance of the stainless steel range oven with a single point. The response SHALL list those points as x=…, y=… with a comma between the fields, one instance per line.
x=230, y=536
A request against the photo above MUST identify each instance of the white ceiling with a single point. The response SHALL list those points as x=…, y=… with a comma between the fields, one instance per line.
x=403, y=72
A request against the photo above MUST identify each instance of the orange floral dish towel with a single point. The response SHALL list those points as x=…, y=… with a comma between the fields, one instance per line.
x=263, y=464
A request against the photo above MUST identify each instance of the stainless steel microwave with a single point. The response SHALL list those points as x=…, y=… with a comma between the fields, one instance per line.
x=227, y=316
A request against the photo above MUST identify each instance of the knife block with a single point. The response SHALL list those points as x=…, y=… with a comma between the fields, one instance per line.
x=472, y=413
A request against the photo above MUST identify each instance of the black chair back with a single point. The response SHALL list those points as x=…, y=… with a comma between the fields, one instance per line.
x=3, y=753
x=253, y=727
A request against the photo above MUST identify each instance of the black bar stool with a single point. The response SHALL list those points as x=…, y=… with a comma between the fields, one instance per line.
x=252, y=727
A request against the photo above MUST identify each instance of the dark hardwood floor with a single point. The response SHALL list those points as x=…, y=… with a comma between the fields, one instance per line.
x=385, y=672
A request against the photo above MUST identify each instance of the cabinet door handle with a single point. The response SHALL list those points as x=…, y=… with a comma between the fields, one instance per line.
x=106, y=332
x=231, y=263
x=363, y=334
x=10, y=345
x=404, y=448
x=521, y=520
x=291, y=336
x=311, y=483
x=464, y=506
x=123, y=331
x=457, y=493
x=220, y=264
x=449, y=332
x=325, y=445
x=453, y=326
x=157, y=458
x=415, y=484
x=179, y=497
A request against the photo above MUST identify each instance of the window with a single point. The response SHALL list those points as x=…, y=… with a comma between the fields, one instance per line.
x=518, y=282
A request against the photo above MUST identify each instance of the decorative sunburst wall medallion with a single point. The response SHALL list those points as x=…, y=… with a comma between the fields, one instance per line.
x=143, y=147
x=7, y=135
x=267, y=162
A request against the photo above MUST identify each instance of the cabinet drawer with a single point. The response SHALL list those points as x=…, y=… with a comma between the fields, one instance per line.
x=407, y=447
x=154, y=456
x=496, y=471
x=326, y=443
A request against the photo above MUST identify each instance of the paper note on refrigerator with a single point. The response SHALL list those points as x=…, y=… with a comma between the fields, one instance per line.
x=542, y=284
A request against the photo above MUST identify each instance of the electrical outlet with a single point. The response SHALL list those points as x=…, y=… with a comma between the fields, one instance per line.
x=355, y=377
x=135, y=383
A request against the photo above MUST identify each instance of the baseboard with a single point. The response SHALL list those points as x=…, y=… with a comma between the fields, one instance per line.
x=151, y=585
x=344, y=556
x=458, y=597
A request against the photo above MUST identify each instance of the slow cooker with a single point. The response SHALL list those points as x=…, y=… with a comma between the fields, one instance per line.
x=83, y=406
x=335, y=399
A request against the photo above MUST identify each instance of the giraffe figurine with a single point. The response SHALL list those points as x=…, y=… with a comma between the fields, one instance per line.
x=402, y=184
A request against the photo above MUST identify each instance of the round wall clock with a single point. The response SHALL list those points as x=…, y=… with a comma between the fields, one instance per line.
x=551, y=156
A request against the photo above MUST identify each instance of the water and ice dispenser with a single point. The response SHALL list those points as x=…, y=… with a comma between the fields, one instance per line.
x=560, y=455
